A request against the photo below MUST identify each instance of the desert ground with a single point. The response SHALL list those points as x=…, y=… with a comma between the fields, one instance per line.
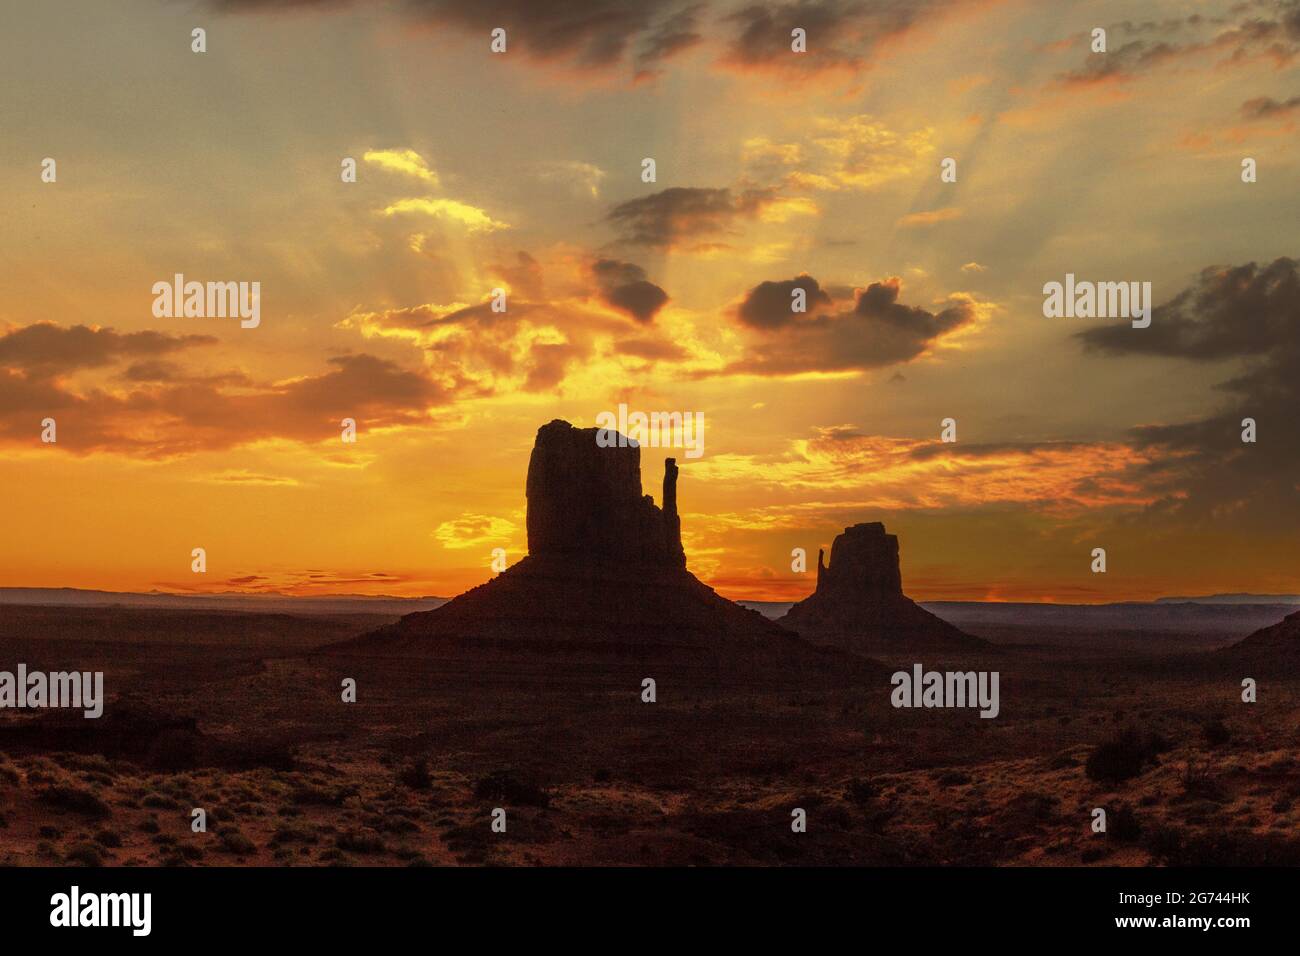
x=241, y=715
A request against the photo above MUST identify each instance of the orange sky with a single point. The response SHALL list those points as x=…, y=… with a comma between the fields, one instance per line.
x=522, y=172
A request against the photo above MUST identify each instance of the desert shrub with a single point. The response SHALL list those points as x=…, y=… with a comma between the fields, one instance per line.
x=1123, y=824
x=1029, y=809
x=108, y=838
x=234, y=841
x=289, y=834
x=953, y=778
x=312, y=796
x=49, y=833
x=396, y=824
x=1200, y=784
x=1220, y=848
x=1122, y=757
x=1215, y=732
x=506, y=786
x=860, y=791
x=360, y=841
x=415, y=775
x=1062, y=761
x=148, y=825
x=75, y=800
x=87, y=854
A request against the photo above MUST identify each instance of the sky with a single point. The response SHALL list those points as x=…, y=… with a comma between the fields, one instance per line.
x=775, y=170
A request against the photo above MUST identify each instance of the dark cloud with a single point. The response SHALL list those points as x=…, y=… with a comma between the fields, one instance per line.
x=841, y=34
x=1229, y=313
x=624, y=286
x=582, y=34
x=1275, y=38
x=1249, y=315
x=768, y=304
x=681, y=214
x=165, y=409
x=45, y=349
x=1265, y=107
x=672, y=36
x=876, y=331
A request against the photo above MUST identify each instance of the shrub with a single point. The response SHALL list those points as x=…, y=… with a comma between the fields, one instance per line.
x=233, y=841
x=504, y=785
x=1215, y=732
x=415, y=775
x=87, y=854
x=1122, y=757
x=360, y=841
x=75, y=800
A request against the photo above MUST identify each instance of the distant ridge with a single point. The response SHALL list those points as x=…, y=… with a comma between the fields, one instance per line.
x=1233, y=599
x=219, y=601
x=1279, y=643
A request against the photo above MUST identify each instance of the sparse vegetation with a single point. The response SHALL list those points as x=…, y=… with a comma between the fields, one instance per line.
x=75, y=800
x=505, y=786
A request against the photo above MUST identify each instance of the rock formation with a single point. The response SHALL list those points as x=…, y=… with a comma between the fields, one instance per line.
x=605, y=573
x=585, y=503
x=859, y=602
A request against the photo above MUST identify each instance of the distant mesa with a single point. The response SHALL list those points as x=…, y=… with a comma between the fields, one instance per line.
x=605, y=572
x=859, y=603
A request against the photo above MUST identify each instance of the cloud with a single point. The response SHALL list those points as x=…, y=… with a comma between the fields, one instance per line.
x=835, y=153
x=586, y=36
x=876, y=331
x=681, y=217
x=582, y=178
x=929, y=217
x=896, y=473
x=1252, y=39
x=405, y=161
x=768, y=304
x=624, y=286
x=474, y=530
x=843, y=36
x=1248, y=315
x=163, y=410
x=44, y=349
x=570, y=314
x=471, y=217
x=974, y=267
x=1229, y=312
x=1265, y=107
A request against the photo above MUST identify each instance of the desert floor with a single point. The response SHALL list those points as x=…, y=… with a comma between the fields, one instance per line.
x=289, y=774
